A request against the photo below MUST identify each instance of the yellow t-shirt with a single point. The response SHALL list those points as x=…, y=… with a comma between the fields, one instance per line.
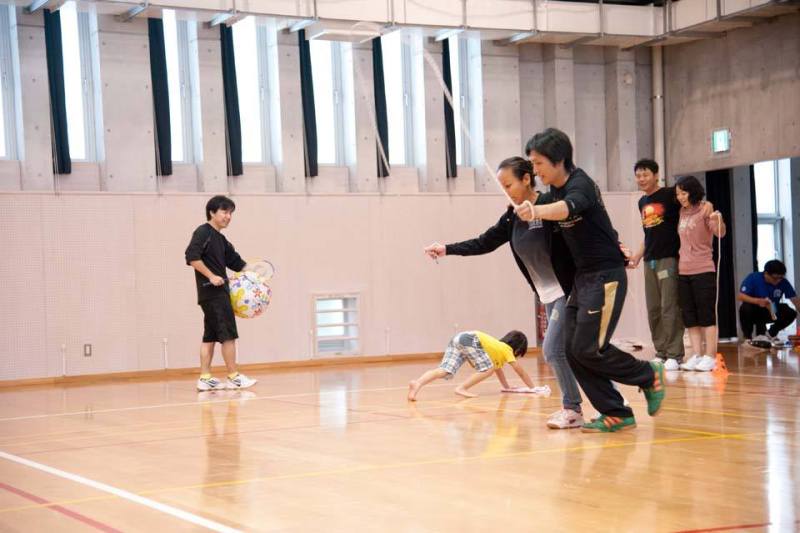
x=499, y=352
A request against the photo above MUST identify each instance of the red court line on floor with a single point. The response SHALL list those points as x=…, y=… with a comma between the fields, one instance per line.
x=63, y=510
x=728, y=528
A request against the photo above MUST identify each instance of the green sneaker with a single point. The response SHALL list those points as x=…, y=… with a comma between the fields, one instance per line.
x=655, y=394
x=609, y=424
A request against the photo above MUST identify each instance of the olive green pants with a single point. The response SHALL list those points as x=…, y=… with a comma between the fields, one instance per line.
x=663, y=311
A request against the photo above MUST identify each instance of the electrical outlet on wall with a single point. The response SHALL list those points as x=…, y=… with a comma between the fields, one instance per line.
x=87, y=350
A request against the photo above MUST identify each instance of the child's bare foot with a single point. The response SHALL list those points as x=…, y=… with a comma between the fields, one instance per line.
x=465, y=393
x=413, y=389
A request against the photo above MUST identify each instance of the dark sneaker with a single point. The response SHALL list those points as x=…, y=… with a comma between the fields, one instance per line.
x=609, y=424
x=655, y=394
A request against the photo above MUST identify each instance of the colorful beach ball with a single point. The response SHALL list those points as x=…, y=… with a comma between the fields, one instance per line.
x=250, y=294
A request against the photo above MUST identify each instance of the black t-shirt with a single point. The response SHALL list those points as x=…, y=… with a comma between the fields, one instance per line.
x=211, y=247
x=660, y=214
x=587, y=230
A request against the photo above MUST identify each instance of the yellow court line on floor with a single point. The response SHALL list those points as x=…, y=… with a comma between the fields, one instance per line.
x=384, y=414
x=441, y=461
x=93, y=412
x=319, y=393
x=389, y=466
x=482, y=402
x=728, y=413
x=791, y=378
x=369, y=409
x=374, y=410
x=699, y=432
x=295, y=395
x=482, y=405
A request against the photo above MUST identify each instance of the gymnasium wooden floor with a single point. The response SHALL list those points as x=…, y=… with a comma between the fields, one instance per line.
x=340, y=449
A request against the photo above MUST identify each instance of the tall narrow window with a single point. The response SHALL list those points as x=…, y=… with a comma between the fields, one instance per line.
x=3, y=148
x=250, y=43
x=460, y=94
x=399, y=103
x=78, y=39
x=7, y=83
x=324, y=100
x=465, y=68
x=180, y=44
x=327, y=66
x=770, y=221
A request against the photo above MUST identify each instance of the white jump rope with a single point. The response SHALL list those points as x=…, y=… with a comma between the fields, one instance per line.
x=431, y=61
x=719, y=262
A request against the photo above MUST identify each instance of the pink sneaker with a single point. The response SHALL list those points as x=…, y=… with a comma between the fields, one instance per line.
x=565, y=419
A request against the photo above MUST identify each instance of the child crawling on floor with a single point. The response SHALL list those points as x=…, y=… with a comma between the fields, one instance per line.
x=485, y=354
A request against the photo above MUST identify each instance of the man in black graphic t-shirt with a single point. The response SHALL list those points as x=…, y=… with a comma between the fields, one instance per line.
x=660, y=212
x=596, y=300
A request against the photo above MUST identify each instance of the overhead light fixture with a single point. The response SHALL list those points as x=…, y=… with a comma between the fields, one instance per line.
x=133, y=12
x=522, y=36
x=52, y=5
x=446, y=34
x=301, y=25
x=359, y=32
x=229, y=18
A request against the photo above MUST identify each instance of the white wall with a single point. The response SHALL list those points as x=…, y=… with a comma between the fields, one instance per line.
x=105, y=266
x=108, y=269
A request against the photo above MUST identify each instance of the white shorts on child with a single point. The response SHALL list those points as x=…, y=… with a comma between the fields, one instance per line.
x=465, y=347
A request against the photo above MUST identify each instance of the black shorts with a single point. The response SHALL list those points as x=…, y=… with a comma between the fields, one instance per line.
x=697, y=296
x=218, y=320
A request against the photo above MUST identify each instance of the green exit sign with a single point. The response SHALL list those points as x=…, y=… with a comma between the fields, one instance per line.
x=720, y=141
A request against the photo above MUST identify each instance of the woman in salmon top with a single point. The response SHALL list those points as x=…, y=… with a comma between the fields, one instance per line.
x=697, y=278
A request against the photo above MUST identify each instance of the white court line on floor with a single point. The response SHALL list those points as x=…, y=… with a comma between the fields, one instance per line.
x=147, y=502
x=284, y=396
x=220, y=400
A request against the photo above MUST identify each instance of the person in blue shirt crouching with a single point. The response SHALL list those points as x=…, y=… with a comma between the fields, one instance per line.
x=761, y=294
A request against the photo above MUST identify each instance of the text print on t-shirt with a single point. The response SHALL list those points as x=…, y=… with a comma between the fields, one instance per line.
x=536, y=223
x=687, y=224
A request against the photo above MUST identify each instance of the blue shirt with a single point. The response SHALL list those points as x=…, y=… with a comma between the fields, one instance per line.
x=756, y=286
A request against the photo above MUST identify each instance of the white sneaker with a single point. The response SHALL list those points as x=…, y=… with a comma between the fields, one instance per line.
x=691, y=364
x=780, y=343
x=762, y=338
x=209, y=384
x=671, y=364
x=706, y=364
x=659, y=359
x=241, y=382
x=565, y=419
